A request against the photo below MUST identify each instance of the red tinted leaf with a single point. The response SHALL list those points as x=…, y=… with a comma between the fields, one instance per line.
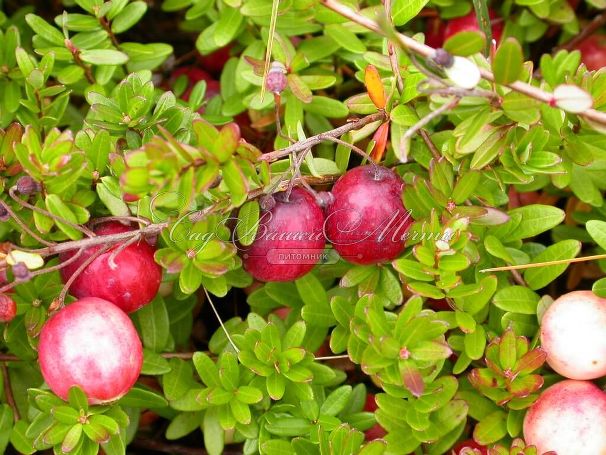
x=412, y=379
x=380, y=137
x=374, y=85
x=530, y=361
x=525, y=385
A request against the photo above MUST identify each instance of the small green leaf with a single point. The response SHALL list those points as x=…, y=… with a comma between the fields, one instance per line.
x=101, y=57
x=508, y=61
x=129, y=16
x=517, y=299
x=465, y=43
x=45, y=30
x=248, y=223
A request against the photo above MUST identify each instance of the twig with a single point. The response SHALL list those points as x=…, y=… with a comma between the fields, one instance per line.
x=105, y=219
x=354, y=148
x=58, y=218
x=517, y=276
x=111, y=260
x=426, y=51
x=506, y=268
x=586, y=31
x=9, y=358
x=319, y=138
x=8, y=391
x=429, y=117
x=53, y=268
x=23, y=226
x=483, y=17
x=430, y=145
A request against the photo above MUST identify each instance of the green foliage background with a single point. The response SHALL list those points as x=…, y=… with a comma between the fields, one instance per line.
x=86, y=110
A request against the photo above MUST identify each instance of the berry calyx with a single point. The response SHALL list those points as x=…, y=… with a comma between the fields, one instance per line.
x=289, y=240
x=129, y=279
x=8, y=308
x=367, y=221
x=92, y=344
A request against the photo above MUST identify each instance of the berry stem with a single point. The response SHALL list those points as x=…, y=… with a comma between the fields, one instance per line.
x=319, y=138
x=32, y=207
x=597, y=22
x=8, y=391
x=53, y=268
x=23, y=226
x=79, y=270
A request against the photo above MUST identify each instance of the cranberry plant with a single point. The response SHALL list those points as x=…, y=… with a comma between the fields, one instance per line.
x=303, y=206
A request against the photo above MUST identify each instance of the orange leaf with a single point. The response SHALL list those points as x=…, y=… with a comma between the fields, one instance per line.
x=374, y=85
x=380, y=138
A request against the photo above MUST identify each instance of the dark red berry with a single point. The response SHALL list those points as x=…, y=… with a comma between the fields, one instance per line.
x=130, y=281
x=367, y=221
x=215, y=61
x=593, y=51
x=194, y=75
x=289, y=241
x=8, y=308
x=376, y=431
x=27, y=185
x=4, y=216
x=469, y=23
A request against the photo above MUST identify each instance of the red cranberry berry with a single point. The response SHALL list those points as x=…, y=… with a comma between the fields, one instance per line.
x=130, y=279
x=8, y=308
x=289, y=240
x=90, y=343
x=376, y=431
x=215, y=61
x=194, y=75
x=367, y=221
x=593, y=51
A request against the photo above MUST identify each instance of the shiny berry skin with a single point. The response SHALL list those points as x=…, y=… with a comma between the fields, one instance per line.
x=473, y=448
x=593, y=51
x=367, y=221
x=130, y=283
x=434, y=32
x=194, y=75
x=289, y=241
x=93, y=344
x=469, y=23
x=8, y=308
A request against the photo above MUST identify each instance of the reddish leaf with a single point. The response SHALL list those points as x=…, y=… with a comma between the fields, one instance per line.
x=374, y=85
x=531, y=361
x=257, y=65
x=380, y=137
x=299, y=88
x=525, y=385
x=412, y=379
x=229, y=137
x=483, y=377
